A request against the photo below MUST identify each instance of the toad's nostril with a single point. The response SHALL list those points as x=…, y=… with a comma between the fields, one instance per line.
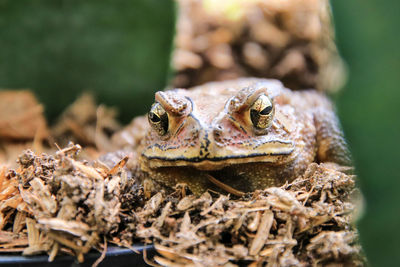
x=217, y=132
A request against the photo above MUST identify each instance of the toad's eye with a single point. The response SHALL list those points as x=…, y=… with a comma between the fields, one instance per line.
x=158, y=118
x=262, y=112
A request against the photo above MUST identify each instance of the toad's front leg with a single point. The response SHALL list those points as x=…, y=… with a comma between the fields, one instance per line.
x=331, y=144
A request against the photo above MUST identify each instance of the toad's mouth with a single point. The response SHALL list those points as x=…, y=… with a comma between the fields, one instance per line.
x=215, y=159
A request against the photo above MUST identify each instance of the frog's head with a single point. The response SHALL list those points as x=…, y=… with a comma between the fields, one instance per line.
x=212, y=127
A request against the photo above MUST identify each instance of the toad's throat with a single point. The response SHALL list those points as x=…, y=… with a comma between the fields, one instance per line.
x=214, y=159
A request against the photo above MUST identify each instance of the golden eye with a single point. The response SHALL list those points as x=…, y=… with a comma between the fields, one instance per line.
x=262, y=112
x=158, y=118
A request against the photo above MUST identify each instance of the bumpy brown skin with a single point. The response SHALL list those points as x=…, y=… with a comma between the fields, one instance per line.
x=210, y=133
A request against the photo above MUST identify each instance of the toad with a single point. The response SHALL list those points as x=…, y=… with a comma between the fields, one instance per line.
x=240, y=135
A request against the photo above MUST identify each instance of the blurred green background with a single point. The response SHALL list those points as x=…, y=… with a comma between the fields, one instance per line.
x=369, y=40
x=118, y=49
x=121, y=50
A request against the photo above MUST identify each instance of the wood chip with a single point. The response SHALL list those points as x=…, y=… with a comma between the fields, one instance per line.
x=21, y=115
x=118, y=166
x=89, y=171
x=262, y=233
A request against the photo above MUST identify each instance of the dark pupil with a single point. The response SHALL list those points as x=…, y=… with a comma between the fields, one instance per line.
x=153, y=117
x=266, y=110
x=254, y=116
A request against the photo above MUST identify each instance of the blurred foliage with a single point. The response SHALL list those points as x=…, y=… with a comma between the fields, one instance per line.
x=118, y=49
x=369, y=39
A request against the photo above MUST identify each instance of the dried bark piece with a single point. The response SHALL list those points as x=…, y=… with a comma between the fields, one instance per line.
x=86, y=123
x=71, y=202
x=175, y=259
x=37, y=242
x=336, y=245
x=262, y=233
x=160, y=220
x=72, y=227
x=74, y=204
x=224, y=186
x=292, y=41
x=253, y=226
x=118, y=166
x=21, y=116
x=282, y=224
x=185, y=203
